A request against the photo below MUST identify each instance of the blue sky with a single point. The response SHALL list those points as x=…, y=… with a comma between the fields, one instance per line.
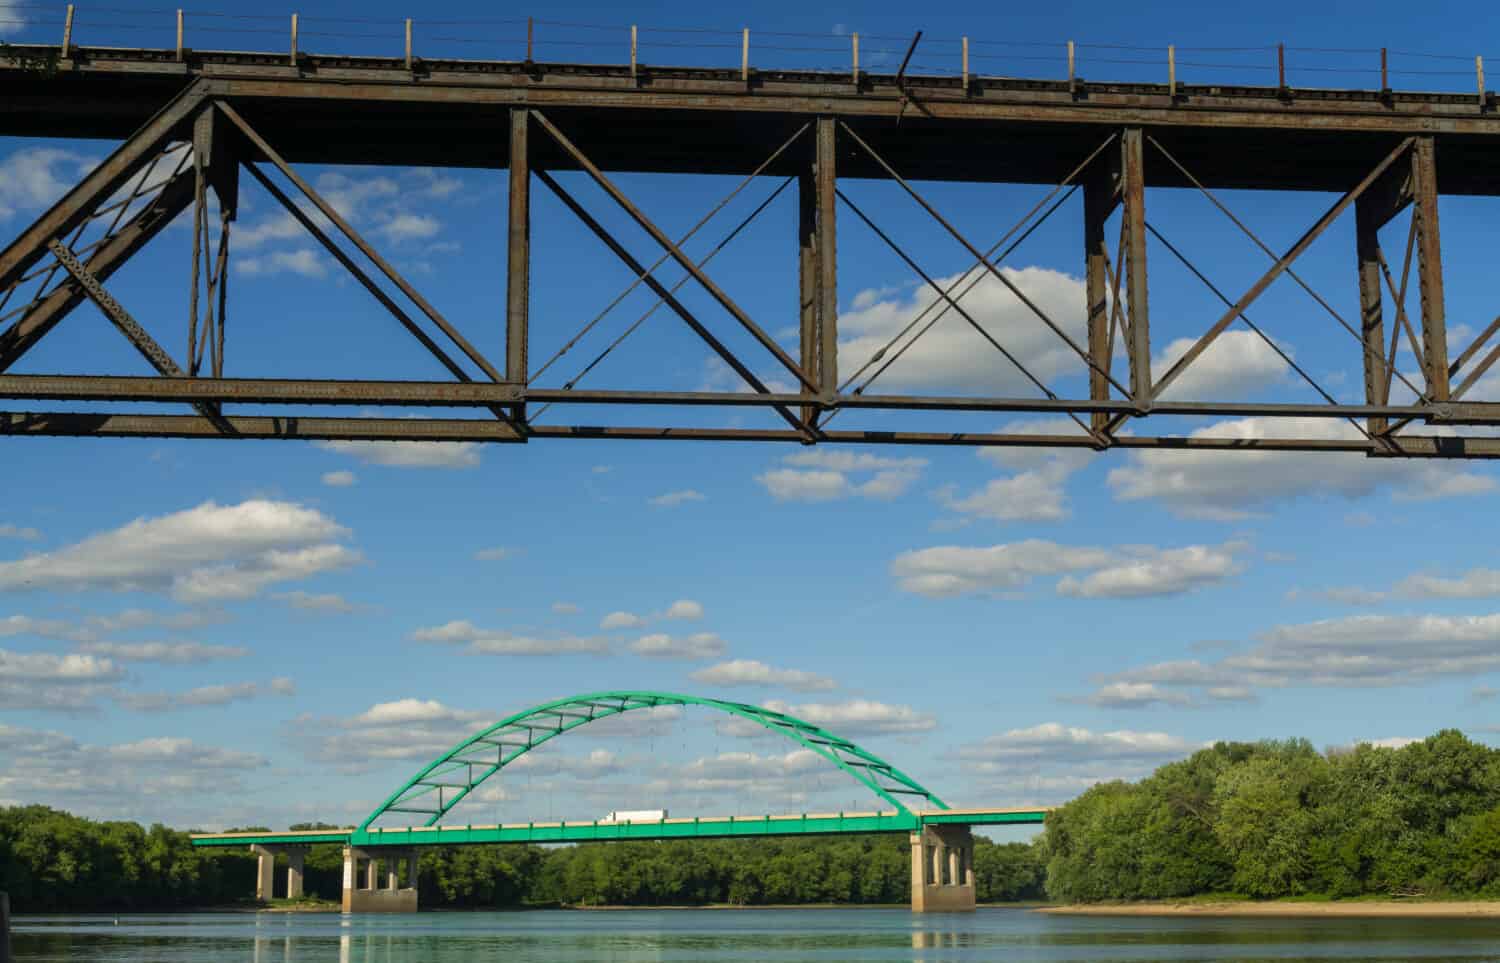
x=212, y=634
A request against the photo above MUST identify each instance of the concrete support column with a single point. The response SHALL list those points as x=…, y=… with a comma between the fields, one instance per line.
x=294, y=858
x=265, y=871
x=942, y=877
x=370, y=897
x=411, y=869
x=351, y=874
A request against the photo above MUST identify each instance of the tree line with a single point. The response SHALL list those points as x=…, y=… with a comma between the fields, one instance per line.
x=52, y=861
x=1262, y=820
x=1278, y=819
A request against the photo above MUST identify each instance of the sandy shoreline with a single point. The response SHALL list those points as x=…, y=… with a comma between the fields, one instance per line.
x=1372, y=909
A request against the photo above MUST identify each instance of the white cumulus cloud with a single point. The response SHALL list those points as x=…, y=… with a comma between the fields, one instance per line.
x=699, y=645
x=749, y=672
x=209, y=552
x=1233, y=485
x=409, y=454
x=480, y=641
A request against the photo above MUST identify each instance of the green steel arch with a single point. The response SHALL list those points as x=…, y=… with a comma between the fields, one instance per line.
x=448, y=779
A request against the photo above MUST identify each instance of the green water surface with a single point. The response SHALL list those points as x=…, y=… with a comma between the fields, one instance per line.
x=775, y=936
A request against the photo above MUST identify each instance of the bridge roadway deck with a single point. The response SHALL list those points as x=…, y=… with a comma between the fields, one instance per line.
x=370, y=110
x=710, y=827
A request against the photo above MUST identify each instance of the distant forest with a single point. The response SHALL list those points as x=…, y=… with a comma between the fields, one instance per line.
x=1261, y=820
x=52, y=861
x=1277, y=819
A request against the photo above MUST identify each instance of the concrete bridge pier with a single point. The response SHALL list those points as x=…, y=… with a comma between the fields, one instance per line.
x=265, y=871
x=362, y=890
x=942, y=869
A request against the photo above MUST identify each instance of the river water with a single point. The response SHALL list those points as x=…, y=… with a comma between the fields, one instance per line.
x=717, y=936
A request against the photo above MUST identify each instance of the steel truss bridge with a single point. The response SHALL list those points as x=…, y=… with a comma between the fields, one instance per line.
x=259, y=114
x=942, y=845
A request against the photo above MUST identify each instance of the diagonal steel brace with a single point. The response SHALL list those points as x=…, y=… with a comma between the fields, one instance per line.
x=666, y=296
x=682, y=259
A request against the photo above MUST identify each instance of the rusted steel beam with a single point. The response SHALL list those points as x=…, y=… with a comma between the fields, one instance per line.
x=826, y=173
x=354, y=238
x=984, y=261
x=960, y=403
x=1276, y=271
x=1367, y=220
x=682, y=259
x=75, y=424
x=107, y=258
x=434, y=394
x=115, y=311
x=666, y=296
x=518, y=249
x=1430, y=268
x=1484, y=365
x=1138, y=341
x=808, y=288
x=1128, y=105
x=476, y=430
x=1479, y=341
x=349, y=264
x=112, y=174
x=953, y=303
x=1100, y=197
x=153, y=352
x=1414, y=447
x=266, y=391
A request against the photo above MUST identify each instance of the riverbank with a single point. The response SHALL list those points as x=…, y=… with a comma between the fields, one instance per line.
x=1371, y=909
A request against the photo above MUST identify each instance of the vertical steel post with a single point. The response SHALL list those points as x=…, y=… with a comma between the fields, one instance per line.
x=966, y=65
x=408, y=43
x=745, y=56
x=294, y=39
x=530, y=37
x=179, y=33
x=1071, y=64
x=1133, y=187
x=1430, y=267
x=827, y=375
x=67, y=44
x=633, y=48
x=1478, y=73
x=1281, y=66
x=1098, y=204
x=1372, y=321
x=518, y=261
x=1172, y=71
x=807, y=274
x=203, y=152
x=1385, y=77
x=855, y=39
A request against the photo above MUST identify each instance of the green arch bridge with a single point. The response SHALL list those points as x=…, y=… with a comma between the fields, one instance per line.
x=942, y=844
